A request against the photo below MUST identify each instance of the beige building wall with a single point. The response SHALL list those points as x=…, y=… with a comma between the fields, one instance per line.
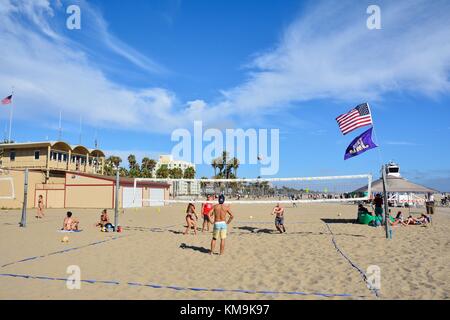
x=25, y=158
x=18, y=178
x=89, y=197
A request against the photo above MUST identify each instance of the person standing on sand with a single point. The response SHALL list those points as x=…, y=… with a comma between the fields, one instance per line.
x=40, y=207
x=206, y=209
x=220, y=212
x=278, y=211
x=191, y=218
x=378, y=201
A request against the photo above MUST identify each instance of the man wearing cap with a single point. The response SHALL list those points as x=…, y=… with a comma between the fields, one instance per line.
x=220, y=212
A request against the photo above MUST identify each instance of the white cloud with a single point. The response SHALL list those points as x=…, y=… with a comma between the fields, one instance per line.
x=50, y=72
x=328, y=53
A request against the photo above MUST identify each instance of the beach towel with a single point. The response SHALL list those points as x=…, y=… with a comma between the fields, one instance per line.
x=68, y=231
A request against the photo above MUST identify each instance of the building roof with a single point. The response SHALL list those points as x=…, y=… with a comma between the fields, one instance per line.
x=397, y=184
x=64, y=145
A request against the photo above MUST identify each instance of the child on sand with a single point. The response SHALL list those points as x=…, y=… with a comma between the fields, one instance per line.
x=70, y=224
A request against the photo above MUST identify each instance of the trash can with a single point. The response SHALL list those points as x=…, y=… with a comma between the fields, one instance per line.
x=430, y=207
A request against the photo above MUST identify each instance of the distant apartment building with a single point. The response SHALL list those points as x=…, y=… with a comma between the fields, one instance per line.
x=182, y=188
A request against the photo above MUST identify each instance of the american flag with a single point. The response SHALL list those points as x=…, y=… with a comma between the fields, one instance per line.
x=355, y=118
x=7, y=100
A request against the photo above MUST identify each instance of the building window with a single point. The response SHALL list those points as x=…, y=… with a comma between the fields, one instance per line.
x=37, y=155
x=12, y=156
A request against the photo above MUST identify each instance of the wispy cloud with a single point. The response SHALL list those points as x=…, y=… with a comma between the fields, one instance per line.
x=326, y=53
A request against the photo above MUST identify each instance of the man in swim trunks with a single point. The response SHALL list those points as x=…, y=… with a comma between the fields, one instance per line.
x=206, y=209
x=278, y=211
x=220, y=212
x=70, y=224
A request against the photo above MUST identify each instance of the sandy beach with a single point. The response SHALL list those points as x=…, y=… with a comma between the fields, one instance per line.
x=152, y=259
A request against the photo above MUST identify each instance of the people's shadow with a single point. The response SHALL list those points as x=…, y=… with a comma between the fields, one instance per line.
x=255, y=230
x=353, y=221
x=195, y=248
x=175, y=232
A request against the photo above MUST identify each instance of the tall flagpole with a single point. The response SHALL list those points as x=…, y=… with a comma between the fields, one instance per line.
x=11, y=115
x=376, y=137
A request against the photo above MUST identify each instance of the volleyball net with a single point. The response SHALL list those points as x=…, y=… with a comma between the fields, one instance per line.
x=253, y=190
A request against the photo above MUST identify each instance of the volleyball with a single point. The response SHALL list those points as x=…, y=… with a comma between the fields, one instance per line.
x=65, y=239
x=251, y=217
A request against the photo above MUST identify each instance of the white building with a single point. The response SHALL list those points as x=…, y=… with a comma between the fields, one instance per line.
x=183, y=188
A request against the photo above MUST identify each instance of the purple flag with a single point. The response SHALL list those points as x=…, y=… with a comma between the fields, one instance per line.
x=360, y=144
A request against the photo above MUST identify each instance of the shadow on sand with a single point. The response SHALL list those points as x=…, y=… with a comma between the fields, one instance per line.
x=353, y=221
x=195, y=248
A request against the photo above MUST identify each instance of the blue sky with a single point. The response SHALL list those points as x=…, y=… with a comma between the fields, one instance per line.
x=137, y=70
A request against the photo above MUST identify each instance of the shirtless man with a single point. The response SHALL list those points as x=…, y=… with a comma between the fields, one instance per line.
x=278, y=211
x=220, y=212
x=70, y=224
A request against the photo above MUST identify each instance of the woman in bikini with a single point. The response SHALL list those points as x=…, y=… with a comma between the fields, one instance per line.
x=104, y=220
x=191, y=218
x=40, y=207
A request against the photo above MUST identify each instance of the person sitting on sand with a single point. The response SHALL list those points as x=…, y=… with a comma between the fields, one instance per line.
x=278, y=211
x=104, y=220
x=190, y=220
x=70, y=224
x=424, y=219
x=398, y=220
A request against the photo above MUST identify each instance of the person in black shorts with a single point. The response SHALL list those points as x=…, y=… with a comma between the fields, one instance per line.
x=278, y=211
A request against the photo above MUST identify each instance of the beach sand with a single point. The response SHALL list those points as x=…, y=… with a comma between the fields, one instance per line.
x=301, y=264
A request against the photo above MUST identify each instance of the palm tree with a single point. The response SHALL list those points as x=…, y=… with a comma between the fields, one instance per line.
x=189, y=173
x=175, y=173
x=162, y=172
x=234, y=163
x=132, y=161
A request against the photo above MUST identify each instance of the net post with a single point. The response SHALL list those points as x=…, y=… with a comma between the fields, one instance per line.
x=116, y=205
x=386, y=205
x=23, y=221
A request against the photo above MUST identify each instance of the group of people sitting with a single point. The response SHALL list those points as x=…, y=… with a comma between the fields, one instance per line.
x=400, y=220
x=71, y=224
